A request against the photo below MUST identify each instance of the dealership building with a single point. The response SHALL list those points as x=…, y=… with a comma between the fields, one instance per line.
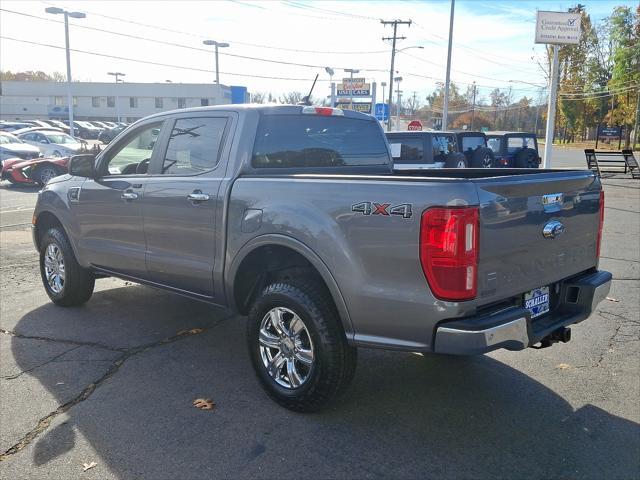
x=109, y=101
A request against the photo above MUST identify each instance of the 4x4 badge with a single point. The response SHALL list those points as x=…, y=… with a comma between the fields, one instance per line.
x=386, y=209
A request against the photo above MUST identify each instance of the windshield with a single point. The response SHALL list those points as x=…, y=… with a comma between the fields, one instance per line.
x=472, y=143
x=85, y=124
x=60, y=138
x=6, y=138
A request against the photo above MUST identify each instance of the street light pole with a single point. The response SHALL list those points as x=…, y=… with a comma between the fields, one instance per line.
x=351, y=71
x=117, y=74
x=330, y=71
x=57, y=11
x=216, y=45
x=551, y=110
x=445, y=109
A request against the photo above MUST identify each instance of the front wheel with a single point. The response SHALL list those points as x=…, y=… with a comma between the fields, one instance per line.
x=297, y=345
x=43, y=174
x=65, y=281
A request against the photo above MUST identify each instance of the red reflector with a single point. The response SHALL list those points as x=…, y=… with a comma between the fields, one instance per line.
x=449, y=251
x=600, y=224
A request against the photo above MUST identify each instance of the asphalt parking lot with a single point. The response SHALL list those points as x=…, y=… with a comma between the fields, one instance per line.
x=113, y=383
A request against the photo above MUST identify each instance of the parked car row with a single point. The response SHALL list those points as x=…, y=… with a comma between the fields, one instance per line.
x=418, y=150
x=88, y=130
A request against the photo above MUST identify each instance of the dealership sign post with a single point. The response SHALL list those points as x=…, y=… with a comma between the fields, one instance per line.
x=351, y=88
x=555, y=28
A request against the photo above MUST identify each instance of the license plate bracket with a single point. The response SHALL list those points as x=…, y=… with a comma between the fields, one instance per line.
x=537, y=301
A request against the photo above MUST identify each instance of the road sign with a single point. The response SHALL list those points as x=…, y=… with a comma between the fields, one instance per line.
x=610, y=132
x=558, y=28
x=358, y=107
x=414, y=126
x=382, y=111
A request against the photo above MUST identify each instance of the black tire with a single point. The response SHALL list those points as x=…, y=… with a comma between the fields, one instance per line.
x=44, y=173
x=483, y=158
x=78, y=283
x=527, y=158
x=334, y=360
x=455, y=160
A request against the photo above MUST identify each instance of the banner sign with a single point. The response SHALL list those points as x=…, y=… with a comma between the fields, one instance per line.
x=558, y=28
x=358, y=107
x=354, y=89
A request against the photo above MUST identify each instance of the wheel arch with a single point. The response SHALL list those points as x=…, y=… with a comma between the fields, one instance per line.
x=278, y=250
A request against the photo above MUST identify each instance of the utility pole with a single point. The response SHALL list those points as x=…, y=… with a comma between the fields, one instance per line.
x=473, y=106
x=413, y=105
x=395, y=37
x=445, y=110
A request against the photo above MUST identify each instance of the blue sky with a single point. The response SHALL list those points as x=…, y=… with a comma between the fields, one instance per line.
x=493, y=41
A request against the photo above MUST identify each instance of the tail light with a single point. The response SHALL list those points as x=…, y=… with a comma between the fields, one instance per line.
x=600, y=224
x=449, y=251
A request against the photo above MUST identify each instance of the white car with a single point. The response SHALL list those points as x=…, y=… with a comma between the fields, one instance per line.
x=53, y=143
x=13, y=147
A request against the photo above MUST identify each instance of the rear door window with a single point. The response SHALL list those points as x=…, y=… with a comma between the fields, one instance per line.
x=294, y=141
x=472, y=143
x=514, y=144
x=194, y=145
x=529, y=142
x=442, y=146
x=494, y=144
x=411, y=149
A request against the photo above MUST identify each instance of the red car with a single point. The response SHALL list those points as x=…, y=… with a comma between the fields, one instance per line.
x=36, y=170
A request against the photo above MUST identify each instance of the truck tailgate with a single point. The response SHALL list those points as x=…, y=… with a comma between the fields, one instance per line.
x=515, y=256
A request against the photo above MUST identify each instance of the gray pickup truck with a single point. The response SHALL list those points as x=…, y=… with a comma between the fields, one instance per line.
x=293, y=216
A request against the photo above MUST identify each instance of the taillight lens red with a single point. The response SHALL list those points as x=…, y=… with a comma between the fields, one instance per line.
x=600, y=224
x=449, y=251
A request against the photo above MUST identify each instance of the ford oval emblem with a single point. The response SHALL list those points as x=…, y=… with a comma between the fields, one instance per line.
x=553, y=229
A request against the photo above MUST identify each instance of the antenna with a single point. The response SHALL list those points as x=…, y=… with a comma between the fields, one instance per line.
x=307, y=100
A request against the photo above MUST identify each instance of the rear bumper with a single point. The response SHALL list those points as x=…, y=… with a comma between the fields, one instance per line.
x=513, y=328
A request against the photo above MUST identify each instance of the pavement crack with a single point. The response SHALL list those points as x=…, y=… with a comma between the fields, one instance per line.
x=44, y=423
x=53, y=359
x=63, y=340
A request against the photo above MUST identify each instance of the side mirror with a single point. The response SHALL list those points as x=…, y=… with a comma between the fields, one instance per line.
x=82, y=166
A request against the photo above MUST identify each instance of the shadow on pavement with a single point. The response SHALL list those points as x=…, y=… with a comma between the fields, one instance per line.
x=404, y=416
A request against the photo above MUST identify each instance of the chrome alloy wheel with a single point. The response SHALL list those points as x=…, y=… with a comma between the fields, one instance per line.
x=461, y=164
x=54, y=267
x=47, y=174
x=486, y=161
x=285, y=347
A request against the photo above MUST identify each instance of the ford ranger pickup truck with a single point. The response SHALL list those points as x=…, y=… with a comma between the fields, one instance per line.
x=294, y=217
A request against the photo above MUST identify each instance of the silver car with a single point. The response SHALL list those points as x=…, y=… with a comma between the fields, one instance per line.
x=12, y=147
x=53, y=143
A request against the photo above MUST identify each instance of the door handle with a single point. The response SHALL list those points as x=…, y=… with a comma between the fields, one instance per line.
x=129, y=196
x=198, y=197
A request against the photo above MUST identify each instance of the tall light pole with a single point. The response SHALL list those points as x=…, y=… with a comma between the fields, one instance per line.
x=216, y=45
x=398, y=106
x=117, y=74
x=330, y=71
x=445, y=109
x=57, y=11
x=351, y=71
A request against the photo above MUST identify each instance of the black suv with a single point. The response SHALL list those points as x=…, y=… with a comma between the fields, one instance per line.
x=514, y=149
x=474, y=147
x=422, y=150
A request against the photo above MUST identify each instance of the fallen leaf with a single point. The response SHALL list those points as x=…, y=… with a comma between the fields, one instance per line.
x=204, y=403
x=563, y=366
x=87, y=466
x=611, y=299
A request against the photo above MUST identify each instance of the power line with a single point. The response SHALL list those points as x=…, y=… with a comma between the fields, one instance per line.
x=148, y=62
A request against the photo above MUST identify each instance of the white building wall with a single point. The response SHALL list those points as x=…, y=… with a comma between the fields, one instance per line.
x=35, y=100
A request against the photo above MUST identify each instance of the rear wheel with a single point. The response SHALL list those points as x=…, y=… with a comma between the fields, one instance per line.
x=455, y=160
x=65, y=281
x=527, y=158
x=483, y=158
x=297, y=345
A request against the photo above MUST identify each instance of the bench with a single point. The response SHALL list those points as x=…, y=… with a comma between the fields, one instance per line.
x=621, y=162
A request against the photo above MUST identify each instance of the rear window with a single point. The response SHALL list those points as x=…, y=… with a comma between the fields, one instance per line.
x=494, y=144
x=290, y=141
x=514, y=144
x=411, y=149
x=472, y=143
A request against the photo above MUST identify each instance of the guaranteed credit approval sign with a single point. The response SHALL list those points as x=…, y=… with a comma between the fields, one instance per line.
x=559, y=28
